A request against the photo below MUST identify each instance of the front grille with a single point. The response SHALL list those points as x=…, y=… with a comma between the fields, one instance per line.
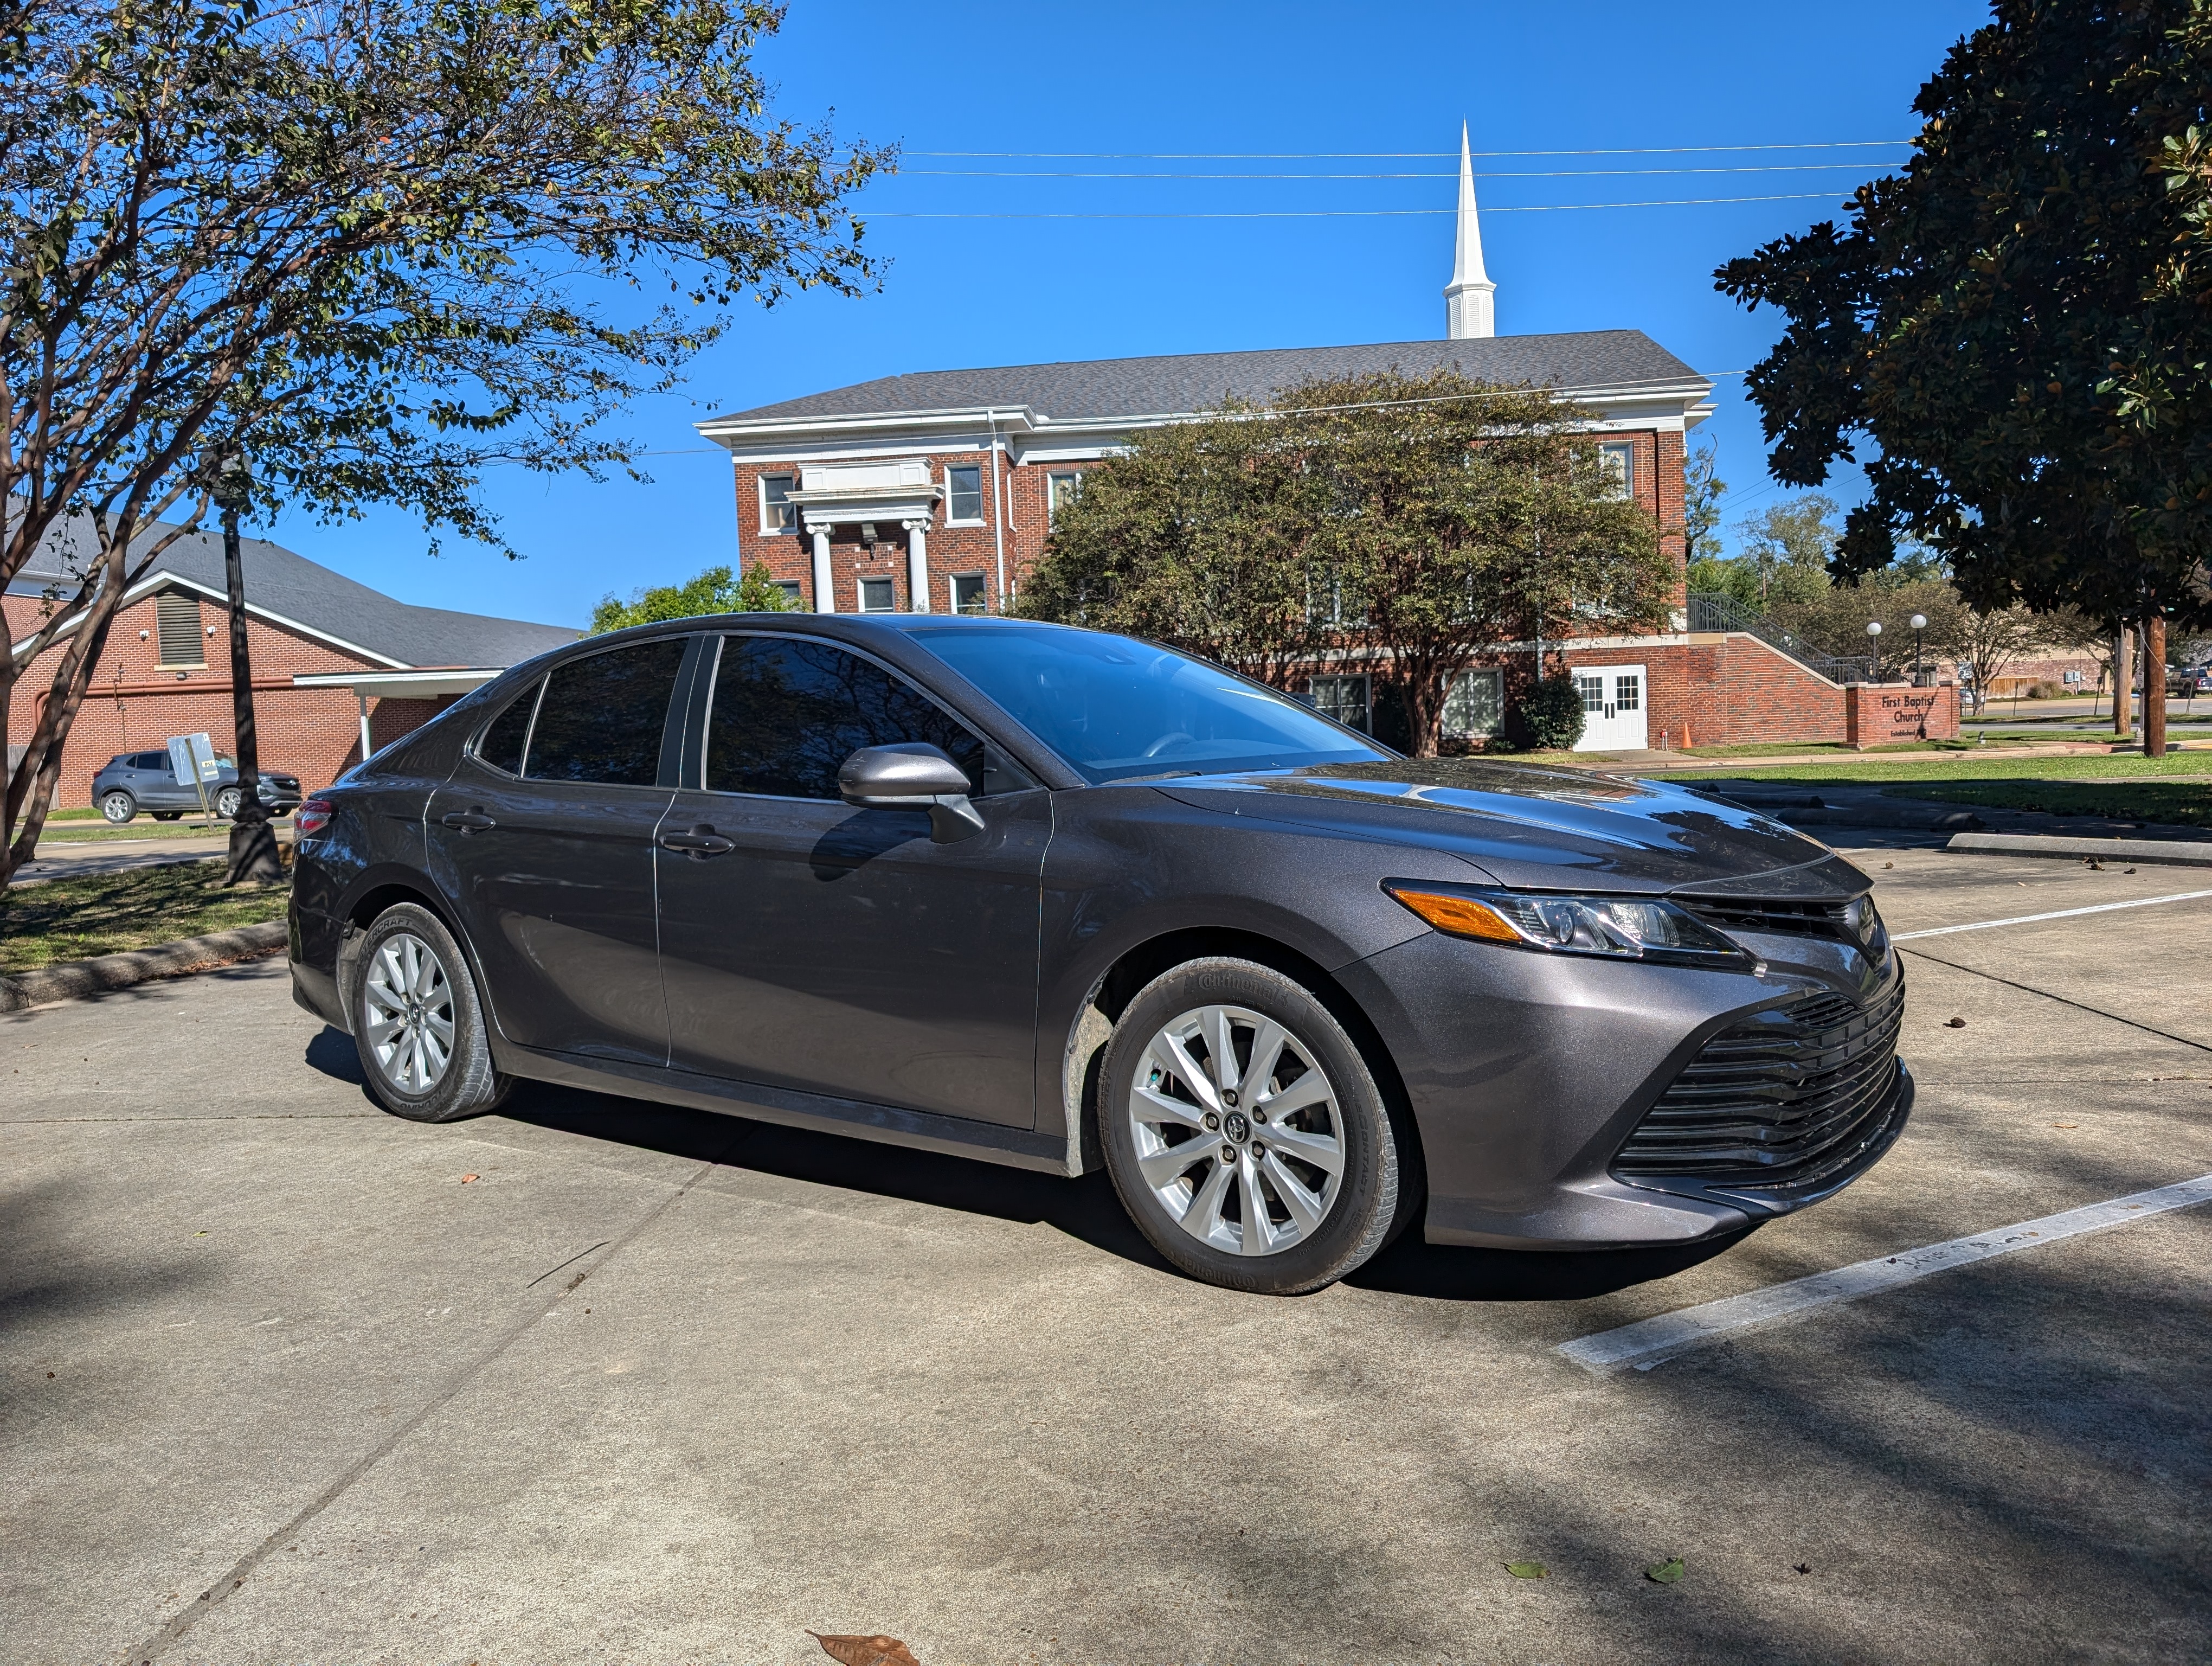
x=1779, y=1103
x=1798, y=919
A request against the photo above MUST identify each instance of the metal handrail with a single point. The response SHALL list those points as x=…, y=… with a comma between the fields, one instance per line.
x=1709, y=611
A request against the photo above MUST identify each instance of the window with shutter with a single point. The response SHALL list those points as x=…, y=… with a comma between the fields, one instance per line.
x=178, y=619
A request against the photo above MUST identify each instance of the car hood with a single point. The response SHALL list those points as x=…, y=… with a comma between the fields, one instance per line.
x=1545, y=828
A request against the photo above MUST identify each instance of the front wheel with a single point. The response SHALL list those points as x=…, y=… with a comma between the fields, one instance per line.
x=226, y=802
x=117, y=807
x=417, y=1023
x=1244, y=1132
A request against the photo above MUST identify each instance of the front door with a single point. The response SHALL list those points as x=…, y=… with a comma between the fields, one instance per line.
x=808, y=945
x=1613, y=708
x=543, y=838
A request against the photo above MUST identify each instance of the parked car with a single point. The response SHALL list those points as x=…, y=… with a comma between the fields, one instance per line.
x=2189, y=681
x=1058, y=899
x=133, y=781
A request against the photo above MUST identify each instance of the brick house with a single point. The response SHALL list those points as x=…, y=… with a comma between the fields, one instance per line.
x=337, y=666
x=935, y=491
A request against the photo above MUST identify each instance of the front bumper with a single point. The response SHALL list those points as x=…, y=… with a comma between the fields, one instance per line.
x=1527, y=1073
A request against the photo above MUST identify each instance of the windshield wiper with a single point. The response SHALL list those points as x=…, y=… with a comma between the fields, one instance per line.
x=1165, y=775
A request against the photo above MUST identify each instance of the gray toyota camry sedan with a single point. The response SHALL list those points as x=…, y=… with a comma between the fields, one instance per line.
x=1060, y=899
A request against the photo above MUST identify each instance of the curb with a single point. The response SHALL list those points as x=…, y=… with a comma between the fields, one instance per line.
x=2180, y=853
x=72, y=979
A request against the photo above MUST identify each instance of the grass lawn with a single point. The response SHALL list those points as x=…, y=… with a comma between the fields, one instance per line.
x=2184, y=801
x=1961, y=767
x=108, y=912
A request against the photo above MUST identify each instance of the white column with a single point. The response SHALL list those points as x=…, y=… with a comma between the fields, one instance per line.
x=825, y=585
x=366, y=748
x=917, y=563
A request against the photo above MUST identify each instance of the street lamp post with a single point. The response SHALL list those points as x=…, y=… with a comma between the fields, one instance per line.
x=1920, y=623
x=1873, y=641
x=254, y=857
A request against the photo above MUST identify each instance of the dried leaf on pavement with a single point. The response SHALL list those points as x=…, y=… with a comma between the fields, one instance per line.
x=866, y=1651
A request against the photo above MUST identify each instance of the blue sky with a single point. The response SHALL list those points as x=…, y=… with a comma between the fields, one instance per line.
x=1130, y=82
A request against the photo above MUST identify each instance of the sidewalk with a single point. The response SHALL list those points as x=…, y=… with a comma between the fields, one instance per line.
x=56, y=860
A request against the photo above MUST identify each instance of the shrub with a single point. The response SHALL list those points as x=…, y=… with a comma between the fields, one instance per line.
x=1550, y=716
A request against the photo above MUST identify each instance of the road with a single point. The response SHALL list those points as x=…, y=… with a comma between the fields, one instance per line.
x=288, y=1379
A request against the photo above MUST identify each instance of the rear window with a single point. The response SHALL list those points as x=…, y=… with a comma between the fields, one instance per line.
x=502, y=742
x=600, y=718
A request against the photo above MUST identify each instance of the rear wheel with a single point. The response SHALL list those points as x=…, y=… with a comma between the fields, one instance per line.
x=117, y=806
x=1245, y=1132
x=418, y=1022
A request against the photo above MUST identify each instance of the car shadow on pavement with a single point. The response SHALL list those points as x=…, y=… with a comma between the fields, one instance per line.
x=1455, y=1273
x=1085, y=1208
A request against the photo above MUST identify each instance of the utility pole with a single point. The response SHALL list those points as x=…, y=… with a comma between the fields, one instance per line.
x=2124, y=683
x=2154, y=658
x=253, y=855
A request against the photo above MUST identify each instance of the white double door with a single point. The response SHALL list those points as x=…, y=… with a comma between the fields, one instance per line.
x=1613, y=709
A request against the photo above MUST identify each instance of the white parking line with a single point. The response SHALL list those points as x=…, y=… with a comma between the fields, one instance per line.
x=1647, y=1341
x=2062, y=914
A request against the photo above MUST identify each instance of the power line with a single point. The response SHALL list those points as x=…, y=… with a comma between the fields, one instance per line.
x=1348, y=213
x=1532, y=174
x=1388, y=156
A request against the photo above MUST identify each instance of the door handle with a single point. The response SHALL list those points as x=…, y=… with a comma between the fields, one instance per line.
x=699, y=843
x=466, y=822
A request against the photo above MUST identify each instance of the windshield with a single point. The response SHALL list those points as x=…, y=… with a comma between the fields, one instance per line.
x=1114, y=707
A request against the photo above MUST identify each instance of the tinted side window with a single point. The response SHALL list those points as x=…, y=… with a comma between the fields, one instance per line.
x=501, y=745
x=786, y=714
x=600, y=718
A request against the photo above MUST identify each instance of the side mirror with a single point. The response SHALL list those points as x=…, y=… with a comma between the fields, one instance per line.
x=912, y=774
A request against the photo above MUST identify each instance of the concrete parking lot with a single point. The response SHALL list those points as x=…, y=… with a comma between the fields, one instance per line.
x=287, y=1379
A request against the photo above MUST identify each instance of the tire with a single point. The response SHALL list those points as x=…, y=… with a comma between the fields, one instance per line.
x=226, y=802
x=409, y=968
x=117, y=806
x=168, y=815
x=1275, y=1220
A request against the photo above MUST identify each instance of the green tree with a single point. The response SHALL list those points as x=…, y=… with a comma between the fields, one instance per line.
x=1786, y=548
x=1457, y=515
x=1198, y=535
x=2016, y=325
x=717, y=590
x=374, y=244
x=1702, y=491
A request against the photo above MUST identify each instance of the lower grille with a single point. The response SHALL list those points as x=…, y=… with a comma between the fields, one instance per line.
x=1779, y=1103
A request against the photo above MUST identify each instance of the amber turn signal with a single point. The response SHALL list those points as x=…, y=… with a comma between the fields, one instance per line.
x=1462, y=916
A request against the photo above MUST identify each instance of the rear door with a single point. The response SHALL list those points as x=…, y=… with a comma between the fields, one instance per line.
x=838, y=950
x=543, y=838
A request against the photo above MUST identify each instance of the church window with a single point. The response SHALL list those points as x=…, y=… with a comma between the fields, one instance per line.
x=967, y=595
x=1474, y=704
x=1061, y=489
x=877, y=596
x=778, y=513
x=963, y=494
x=1344, y=698
x=1618, y=459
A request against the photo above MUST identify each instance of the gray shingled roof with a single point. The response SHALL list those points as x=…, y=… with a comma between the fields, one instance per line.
x=1084, y=390
x=287, y=583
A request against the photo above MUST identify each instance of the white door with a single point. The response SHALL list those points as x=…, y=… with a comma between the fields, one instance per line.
x=1613, y=708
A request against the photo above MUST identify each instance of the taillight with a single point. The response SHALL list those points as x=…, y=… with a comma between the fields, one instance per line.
x=311, y=817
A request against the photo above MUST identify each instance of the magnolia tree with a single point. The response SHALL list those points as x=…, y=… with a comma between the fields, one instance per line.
x=374, y=244
x=2015, y=327
x=1418, y=522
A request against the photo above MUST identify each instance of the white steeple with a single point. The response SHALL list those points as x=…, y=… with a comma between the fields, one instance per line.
x=1469, y=307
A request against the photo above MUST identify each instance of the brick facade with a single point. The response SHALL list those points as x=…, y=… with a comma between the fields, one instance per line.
x=136, y=703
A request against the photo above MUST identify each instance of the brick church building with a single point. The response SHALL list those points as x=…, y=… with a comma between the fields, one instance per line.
x=338, y=668
x=935, y=491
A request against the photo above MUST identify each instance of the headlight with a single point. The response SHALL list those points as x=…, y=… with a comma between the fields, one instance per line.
x=1629, y=928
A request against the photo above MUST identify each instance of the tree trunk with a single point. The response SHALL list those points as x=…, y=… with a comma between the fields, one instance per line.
x=2124, y=683
x=253, y=855
x=2153, y=659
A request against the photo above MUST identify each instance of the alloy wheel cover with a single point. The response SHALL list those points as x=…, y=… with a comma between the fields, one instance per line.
x=410, y=1012
x=1238, y=1130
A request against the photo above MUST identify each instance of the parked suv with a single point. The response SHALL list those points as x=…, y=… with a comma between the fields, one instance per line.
x=2190, y=681
x=144, y=781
